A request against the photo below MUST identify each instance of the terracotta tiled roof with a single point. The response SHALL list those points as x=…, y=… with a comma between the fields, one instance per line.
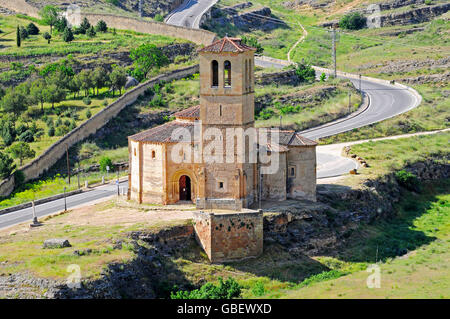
x=163, y=133
x=192, y=112
x=291, y=138
x=227, y=45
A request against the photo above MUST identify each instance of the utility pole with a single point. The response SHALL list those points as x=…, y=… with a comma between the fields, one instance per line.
x=140, y=8
x=349, y=101
x=360, y=91
x=78, y=175
x=333, y=39
x=68, y=165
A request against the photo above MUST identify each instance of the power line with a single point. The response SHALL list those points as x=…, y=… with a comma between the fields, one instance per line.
x=282, y=22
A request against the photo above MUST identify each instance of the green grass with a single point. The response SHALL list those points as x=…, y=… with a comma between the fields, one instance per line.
x=419, y=224
x=36, y=45
x=422, y=223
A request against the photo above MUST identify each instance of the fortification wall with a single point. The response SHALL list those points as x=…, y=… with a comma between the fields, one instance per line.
x=42, y=163
x=197, y=36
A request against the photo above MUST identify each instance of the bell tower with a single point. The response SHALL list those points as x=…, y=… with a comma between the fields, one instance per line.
x=227, y=102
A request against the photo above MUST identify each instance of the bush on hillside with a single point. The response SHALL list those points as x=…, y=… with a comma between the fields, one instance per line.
x=224, y=290
x=353, y=21
x=104, y=163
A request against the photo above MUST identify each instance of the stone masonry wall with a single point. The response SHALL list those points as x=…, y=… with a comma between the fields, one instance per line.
x=230, y=236
x=197, y=36
x=42, y=163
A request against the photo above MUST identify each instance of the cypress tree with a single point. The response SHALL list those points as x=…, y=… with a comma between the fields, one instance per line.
x=18, y=40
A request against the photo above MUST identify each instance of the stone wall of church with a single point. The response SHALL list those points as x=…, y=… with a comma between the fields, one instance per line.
x=301, y=184
x=227, y=237
x=274, y=185
x=153, y=158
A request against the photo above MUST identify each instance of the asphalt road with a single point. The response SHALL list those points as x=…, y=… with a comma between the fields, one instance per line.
x=189, y=13
x=385, y=101
x=73, y=201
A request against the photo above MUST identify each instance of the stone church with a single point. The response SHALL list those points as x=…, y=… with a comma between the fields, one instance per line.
x=227, y=93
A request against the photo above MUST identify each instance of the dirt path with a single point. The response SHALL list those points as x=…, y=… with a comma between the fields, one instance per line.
x=305, y=34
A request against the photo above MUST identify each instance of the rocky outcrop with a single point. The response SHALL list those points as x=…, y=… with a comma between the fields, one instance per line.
x=258, y=19
x=413, y=16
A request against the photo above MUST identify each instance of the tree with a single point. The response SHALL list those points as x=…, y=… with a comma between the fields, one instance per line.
x=21, y=151
x=36, y=92
x=146, y=57
x=53, y=94
x=353, y=21
x=118, y=79
x=14, y=102
x=68, y=35
x=253, y=42
x=74, y=85
x=305, y=73
x=84, y=26
x=61, y=24
x=47, y=37
x=32, y=29
x=49, y=15
x=6, y=165
x=104, y=162
x=99, y=78
x=7, y=130
x=23, y=33
x=101, y=26
x=86, y=81
x=18, y=38
x=91, y=32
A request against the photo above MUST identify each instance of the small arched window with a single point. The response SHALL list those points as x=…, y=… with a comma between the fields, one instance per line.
x=220, y=110
x=227, y=73
x=215, y=73
x=153, y=154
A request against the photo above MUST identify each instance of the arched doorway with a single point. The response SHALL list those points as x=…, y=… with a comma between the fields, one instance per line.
x=185, y=187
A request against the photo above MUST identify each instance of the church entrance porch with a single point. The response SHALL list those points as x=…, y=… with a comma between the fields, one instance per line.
x=185, y=188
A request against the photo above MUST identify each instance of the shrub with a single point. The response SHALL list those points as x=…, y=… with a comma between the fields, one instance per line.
x=88, y=113
x=51, y=130
x=305, y=73
x=253, y=42
x=32, y=29
x=158, y=17
x=68, y=35
x=323, y=77
x=91, y=32
x=225, y=290
x=104, y=162
x=47, y=37
x=428, y=2
x=353, y=21
x=258, y=289
x=88, y=150
x=62, y=130
x=407, y=180
x=101, y=26
x=26, y=136
x=23, y=33
x=19, y=178
x=87, y=100
x=6, y=165
x=113, y=2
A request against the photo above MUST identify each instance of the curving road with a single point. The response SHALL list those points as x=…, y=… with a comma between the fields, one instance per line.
x=385, y=101
x=189, y=13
